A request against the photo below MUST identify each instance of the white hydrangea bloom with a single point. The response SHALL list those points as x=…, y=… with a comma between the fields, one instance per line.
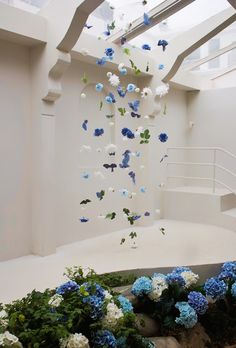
x=121, y=66
x=3, y=318
x=55, y=300
x=114, y=80
x=190, y=278
x=75, y=341
x=162, y=90
x=107, y=295
x=110, y=147
x=146, y=93
x=7, y=339
x=159, y=284
x=113, y=315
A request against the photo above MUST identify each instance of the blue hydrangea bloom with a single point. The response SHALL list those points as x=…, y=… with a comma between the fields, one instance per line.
x=101, y=61
x=233, y=290
x=96, y=304
x=126, y=132
x=175, y=278
x=181, y=269
x=98, y=132
x=123, y=40
x=163, y=137
x=95, y=289
x=110, y=98
x=161, y=66
x=123, y=71
x=99, y=87
x=147, y=213
x=84, y=219
x=67, y=287
x=121, y=92
x=142, y=286
x=146, y=47
x=188, y=316
x=215, y=288
x=126, y=305
x=227, y=275
x=136, y=217
x=131, y=87
x=126, y=159
x=229, y=267
x=198, y=302
x=109, y=52
x=162, y=43
x=104, y=338
x=133, y=177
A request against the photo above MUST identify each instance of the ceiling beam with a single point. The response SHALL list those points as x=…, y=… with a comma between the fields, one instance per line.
x=223, y=72
x=156, y=15
x=233, y=3
x=210, y=57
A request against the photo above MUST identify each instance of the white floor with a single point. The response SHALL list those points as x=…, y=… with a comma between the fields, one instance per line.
x=183, y=244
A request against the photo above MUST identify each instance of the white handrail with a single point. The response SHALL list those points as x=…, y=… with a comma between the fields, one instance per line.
x=202, y=148
x=212, y=164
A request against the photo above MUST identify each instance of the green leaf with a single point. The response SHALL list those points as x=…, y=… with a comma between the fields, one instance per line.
x=126, y=51
x=84, y=79
x=101, y=105
x=122, y=111
x=122, y=241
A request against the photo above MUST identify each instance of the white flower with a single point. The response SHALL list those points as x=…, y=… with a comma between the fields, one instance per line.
x=55, y=300
x=83, y=95
x=162, y=90
x=3, y=318
x=190, y=278
x=110, y=148
x=146, y=117
x=146, y=93
x=114, y=80
x=159, y=284
x=113, y=315
x=107, y=295
x=111, y=189
x=75, y=341
x=137, y=90
x=7, y=339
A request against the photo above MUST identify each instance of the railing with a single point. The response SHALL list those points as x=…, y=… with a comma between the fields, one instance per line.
x=212, y=164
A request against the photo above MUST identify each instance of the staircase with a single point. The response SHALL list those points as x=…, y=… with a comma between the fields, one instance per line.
x=184, y=199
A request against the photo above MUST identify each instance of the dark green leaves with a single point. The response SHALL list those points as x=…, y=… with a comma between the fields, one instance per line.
x=145, y=136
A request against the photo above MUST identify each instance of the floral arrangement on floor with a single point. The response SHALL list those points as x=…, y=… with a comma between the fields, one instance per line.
x=85, y=313
x=77, y=314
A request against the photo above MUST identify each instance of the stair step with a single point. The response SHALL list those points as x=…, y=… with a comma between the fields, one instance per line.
x=230, y=212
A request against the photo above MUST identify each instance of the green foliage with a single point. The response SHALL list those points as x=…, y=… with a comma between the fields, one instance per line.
x=122, y=111
x=127, y=51
x=111, y=216
x=145, y=136
x=135, y=68
x=100, y=105
x=84, y=78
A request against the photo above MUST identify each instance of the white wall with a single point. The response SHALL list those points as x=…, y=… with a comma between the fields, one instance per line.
x=213, y=112
x=15, y=218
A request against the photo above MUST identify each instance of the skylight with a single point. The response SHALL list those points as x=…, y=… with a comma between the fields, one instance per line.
x=26, y=5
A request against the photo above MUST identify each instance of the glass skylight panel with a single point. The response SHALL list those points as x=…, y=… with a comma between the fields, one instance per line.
x=185, y=19
x=118, y=14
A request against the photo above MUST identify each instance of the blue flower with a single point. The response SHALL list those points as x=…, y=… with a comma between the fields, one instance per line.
x=181, y=269
x=233, y=290
x=134, y=105
x=163, y=137
x=188, y=316
x=162, y=43
x=136, y=217
x=123, y=40
x=99, y=87
x=198, y=302
x=131, y=87
x=146, y=19
x=123, y=71
x=101, y=61
x=133, y=114
x=126, y=159
x=146, y=47
x=132, y=175
x=229, y=267
x=104, y=338
x=95, y=289
x=84, y=219
x=121, y=91
x=161, y=66
x=227, y=275
x=143, y=189
x=85, y=125
x=147, y=213
x=85, y=175
x=125, y=304
x=142, y=286
x=98, y=132
x=175, y=278
x=109, y=52
x=69, y=286
x=110, y=98
x=215, y=288
x=126, y=132
x=96, y=304
x=88, y=26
